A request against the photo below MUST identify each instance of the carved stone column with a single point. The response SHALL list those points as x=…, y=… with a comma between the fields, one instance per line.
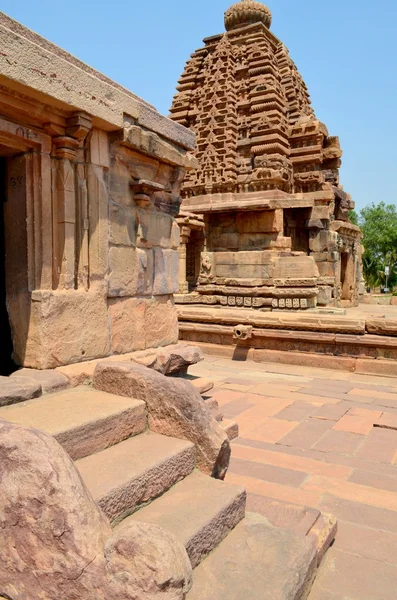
x=64, y=213
x=183, y=284
x=70, y=205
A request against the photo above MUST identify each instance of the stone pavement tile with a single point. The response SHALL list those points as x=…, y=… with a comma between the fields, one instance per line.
x=298, y=411
x=326, y=384
x=319, y=593
x=282, y=514
x=306, y=434
x=380, y=445
x=387, y=421
x=360, y=464
x=255, y=416
x=269, y=430
x=376, y=480
x=266, y=389
x=373, y=394
x=352, y=492
x=238, y=387
x=266, y=472
x=340, y=442
x=358, y=420
x=369, y=413
x=296, y=463
x=234, y=408
x=332, y=412
x=335, y=396
x=367, y=542
x=357, y=578
x=225, y=396
x=275, y=490
x=361, y=514
x=303, y=452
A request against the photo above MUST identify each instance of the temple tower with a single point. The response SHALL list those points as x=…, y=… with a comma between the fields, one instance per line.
x=275, y=220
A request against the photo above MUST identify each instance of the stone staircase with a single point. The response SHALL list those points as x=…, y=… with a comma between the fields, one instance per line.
x=136, y=474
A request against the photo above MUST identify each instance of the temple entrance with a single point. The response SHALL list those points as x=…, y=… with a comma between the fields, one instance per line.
x=14, y=288
x=7, y=365
x=346, y=276
x=193, y=252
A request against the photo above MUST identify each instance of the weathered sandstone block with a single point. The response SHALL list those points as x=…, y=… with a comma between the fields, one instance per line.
x=176, y=358
x=123, y=224
x=175, y=409
x=161, y=322
x=287, y=267
x=56, y=543
x=166, y=272
x=67, y=327
x=49, y=379
x=140, y=323
x=381, y=326
x=18, y=389
x=131, y=271
x=127, y=317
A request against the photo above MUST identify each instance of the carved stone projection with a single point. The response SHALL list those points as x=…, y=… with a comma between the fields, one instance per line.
x=267, y=188
x=90, y=177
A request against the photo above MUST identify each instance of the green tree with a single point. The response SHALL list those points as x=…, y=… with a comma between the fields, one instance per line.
x=353, y=217
x=378, y=223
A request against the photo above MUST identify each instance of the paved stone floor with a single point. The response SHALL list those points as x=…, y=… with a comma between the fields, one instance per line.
x=324, y=440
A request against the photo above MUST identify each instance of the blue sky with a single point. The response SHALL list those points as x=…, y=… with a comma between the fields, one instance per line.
x=346, y=51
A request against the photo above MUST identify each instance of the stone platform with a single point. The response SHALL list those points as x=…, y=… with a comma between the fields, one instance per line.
x=362, y=340
x=314, y=440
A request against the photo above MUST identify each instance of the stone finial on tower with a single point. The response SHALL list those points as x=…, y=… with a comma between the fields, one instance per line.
x=247, y=12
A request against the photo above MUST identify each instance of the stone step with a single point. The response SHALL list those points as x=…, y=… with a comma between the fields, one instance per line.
x=134, y=472
x=231, y=428
x=257, y=561
x=200, y=511
x=82, y=420
x=202, y=384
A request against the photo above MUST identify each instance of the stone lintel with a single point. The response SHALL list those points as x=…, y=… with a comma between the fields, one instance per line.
x=151, y=144
x=243, y=202
x=61, y=80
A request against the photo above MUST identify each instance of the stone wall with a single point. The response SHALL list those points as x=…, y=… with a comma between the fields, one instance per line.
x=93, y=179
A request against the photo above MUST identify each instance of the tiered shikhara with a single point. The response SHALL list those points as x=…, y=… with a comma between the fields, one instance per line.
x=276, y=229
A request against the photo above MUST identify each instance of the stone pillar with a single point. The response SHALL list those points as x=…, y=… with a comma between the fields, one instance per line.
x=183, y=284
x=64, y=211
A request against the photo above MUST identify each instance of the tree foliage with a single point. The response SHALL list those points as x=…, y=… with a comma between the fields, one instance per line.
x=378, y=223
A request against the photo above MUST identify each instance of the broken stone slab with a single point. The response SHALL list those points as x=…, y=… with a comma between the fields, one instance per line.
x=49, y=379
x=169, y=360
x=202, y=385
x=18, y=389
x=381, y=326
x=257, y=560
x=175, y=408
x=63, y=546
x=174, y=359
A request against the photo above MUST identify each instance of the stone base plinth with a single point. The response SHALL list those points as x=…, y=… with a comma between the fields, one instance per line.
x=326, y=341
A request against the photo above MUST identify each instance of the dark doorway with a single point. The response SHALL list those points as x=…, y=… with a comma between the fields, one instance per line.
x=345, y=276
x=7, y=365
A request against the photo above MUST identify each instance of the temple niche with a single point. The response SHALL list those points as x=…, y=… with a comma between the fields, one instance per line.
x=270, y=219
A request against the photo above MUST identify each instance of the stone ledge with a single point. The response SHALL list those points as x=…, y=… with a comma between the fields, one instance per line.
x=73, y=85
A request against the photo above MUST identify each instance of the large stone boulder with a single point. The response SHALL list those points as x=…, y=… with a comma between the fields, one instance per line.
x=56, y=543
x=175, y=409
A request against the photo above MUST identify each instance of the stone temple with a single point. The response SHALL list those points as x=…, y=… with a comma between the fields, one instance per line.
x=264, y=219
